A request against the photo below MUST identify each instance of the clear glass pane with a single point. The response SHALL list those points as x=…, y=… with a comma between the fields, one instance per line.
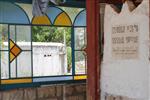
x=4, y=65
x=80, y=38
x=50, y=60
x=51, y=50
x=80, y=62
x=13, y=68
x=24, y=65
x=46, y=61
x=23, y=37
x=12, y=32
x=3, y=37
x=69, y=60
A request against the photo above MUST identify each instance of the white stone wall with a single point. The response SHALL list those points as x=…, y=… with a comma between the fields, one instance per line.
x=123, y=79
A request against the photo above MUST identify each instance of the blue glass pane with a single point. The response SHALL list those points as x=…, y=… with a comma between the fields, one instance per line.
x=52, y=13
x=50, y=79
x=10, y=13
x=81, y=19
x=19, y=1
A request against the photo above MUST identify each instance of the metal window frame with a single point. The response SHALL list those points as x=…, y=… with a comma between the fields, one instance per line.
x=10, y=86
x=33, y=84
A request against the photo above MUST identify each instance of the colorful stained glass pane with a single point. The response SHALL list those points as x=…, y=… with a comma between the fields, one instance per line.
x=12, y=57
x=53, y=12
x=11, y=13
x=11, y=44
x=81, y=77
x=81, y=19
x=15, y=50
x=42, y=20
x=63, y=20
x=16, y=81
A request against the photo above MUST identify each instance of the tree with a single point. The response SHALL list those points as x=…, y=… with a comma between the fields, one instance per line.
x=51, y=34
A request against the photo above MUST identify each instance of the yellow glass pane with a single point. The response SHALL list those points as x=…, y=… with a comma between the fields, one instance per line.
x=63, y=20
x=81, y=77
x=11, y=44
x=12, y=57
x=41, y=20
x=15, y=81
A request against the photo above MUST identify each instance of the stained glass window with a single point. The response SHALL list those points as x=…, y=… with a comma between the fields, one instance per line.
x=41, y=49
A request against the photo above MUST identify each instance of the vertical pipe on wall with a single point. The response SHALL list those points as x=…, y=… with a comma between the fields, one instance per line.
x=93, y=59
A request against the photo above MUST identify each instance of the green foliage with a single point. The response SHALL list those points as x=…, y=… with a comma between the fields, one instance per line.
x=51, y=34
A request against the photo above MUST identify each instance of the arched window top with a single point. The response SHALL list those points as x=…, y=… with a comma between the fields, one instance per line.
x=63, y=20
x=11, y=13
x=41, y=20
x=80, y=19
x=53, y=12
x=55, y=16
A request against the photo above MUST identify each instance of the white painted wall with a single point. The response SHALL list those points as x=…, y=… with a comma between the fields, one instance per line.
x=127, y=77
x=49, y=59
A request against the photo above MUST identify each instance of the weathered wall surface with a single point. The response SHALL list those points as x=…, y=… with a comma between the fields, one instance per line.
x=120, y=75
x=111, y=97
x=54, y=92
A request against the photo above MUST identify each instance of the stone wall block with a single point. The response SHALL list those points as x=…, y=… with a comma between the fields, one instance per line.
x=13, y=95
x=69, y=90
x=59, y=91
x=30, y=94
x=46, y=92
x=80, y=88
x=75, y=98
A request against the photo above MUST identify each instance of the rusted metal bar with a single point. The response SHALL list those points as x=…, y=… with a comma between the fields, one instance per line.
x=93, y=63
